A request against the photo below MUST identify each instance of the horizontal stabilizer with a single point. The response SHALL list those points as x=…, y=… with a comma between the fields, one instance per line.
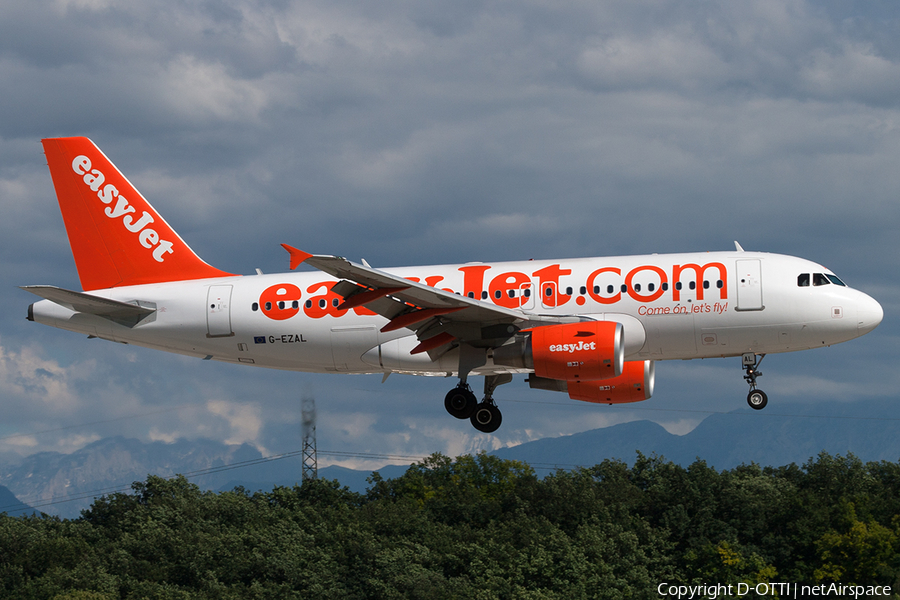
x=123, y=313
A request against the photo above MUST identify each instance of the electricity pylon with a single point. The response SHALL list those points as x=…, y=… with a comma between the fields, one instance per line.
x=308, y=415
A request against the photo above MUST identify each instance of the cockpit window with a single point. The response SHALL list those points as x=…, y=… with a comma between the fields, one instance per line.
x=820, y=279
x=803, y=280
x=835, y=279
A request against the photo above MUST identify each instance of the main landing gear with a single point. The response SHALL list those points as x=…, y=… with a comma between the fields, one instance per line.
x=757, y=398
x=460, y=401
x=485, y=416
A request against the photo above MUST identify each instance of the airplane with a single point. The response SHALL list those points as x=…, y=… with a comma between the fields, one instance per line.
x=589, y=327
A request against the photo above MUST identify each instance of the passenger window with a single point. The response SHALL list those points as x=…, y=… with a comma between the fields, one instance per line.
x=677, y=285
x=720, y=284
x=255, y=307
x=820, y=279
x=803, y=280
x=568, y=291
x=624, y=288
x=528, y=292
x=651, y=287
x=692, y=285
x=665, y=286
x=583, y=290
x=637, y=287
x=609, y=289
x=484, y=295
x=705, y=285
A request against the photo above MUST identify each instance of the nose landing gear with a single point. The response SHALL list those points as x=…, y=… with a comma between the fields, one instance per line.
x=757, y=398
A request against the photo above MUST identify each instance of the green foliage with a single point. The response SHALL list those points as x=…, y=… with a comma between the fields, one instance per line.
x=473, y=527
x=728, y=563
x=860, y=553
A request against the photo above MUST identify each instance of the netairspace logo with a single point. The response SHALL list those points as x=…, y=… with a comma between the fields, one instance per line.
x=780, y=590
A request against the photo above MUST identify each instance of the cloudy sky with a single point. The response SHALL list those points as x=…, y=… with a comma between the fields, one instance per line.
x=443, y=132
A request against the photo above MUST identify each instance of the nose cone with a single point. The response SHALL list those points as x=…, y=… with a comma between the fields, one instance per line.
x=869, y=314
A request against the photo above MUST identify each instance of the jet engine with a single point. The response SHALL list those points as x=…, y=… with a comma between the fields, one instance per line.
x=633, y=385
x=585, y=351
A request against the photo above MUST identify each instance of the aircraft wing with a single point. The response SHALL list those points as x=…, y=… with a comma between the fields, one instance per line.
x=120, y=312
x=438, y=317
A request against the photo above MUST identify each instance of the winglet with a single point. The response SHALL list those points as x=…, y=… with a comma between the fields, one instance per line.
x=297, y=256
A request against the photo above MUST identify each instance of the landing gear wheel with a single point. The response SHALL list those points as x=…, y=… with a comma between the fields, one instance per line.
x=460, y=402
x=757, y=399
x=486, y=418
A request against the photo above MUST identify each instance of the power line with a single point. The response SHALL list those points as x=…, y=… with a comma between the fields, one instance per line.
x=202, y=472
x=574, y=404
x=378, y=456
x=707, y=412
x=65, y=427
x=336, y=453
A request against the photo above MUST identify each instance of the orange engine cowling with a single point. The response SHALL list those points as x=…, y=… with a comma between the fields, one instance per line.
x=633, y=385
x=585, y=351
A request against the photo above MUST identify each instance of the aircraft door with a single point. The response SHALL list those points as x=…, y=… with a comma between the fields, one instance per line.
x=218, y=311
x=749, y=284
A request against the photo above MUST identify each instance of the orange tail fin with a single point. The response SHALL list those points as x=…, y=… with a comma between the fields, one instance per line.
x=117, y=238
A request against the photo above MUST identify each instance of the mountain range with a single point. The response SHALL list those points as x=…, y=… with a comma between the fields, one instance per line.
x=871, y=431
x=65, y=484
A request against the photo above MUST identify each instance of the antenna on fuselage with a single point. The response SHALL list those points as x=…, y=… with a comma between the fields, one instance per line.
x=738, y=246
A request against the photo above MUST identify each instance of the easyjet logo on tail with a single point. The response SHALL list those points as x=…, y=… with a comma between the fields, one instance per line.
x=119, y=208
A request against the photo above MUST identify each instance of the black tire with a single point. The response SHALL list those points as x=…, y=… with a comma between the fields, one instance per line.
x=460, y=403
x=486, y=418
x=757, y=399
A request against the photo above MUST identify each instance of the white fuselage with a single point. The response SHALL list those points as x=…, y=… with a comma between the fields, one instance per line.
x=672, y=306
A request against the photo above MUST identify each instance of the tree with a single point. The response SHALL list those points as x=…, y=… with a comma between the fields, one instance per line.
x=860, y=553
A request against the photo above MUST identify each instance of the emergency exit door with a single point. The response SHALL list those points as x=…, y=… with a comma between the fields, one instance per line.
x=749, y=285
